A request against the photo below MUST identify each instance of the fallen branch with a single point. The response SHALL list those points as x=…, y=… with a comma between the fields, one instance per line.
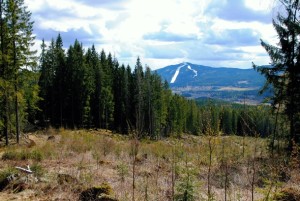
x=28, y=170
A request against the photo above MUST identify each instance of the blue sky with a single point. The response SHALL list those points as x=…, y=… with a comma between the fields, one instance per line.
x=220, y=33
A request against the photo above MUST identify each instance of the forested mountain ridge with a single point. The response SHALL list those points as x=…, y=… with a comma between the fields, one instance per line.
x=188, y=74
x=231, y=84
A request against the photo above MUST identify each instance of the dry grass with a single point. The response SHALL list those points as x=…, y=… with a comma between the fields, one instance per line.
x=163, y=168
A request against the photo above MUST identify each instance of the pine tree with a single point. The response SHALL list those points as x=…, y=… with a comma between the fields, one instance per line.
x=158, y=105
x=4, y=71
x=75, y=89
x=93, y=60
x=59, y=82
x=226, y=121
x=47, y=66
x=18, y=40
x=149, y=103
x=284, y=73
x=93, y=64
x=139, y=98
x=121, y=93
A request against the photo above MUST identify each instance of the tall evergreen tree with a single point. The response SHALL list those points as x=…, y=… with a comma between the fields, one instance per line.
x=93, y=60
x=95, y=83
x=46, y=82
x=17, y=39
x=284, y=73
x=76, y=74
x=4, y=71
x=59, y=82
x=139, y=98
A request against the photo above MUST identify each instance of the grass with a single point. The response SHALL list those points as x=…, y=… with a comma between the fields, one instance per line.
x=166, y=168
x=35, y=155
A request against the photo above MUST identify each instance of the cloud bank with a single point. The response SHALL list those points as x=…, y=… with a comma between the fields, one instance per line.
x=209, y=32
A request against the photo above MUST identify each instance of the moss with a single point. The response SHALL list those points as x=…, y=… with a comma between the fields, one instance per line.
x=105, y=197
x=288, y=194
x=104, y=188
x=104, y=192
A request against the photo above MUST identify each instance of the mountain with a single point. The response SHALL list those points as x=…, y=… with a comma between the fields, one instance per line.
x=231, y=84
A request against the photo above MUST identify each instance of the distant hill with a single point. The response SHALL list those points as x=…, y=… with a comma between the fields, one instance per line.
x=230, y=84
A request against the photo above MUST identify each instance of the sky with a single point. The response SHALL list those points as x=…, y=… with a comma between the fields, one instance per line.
x=218, y=33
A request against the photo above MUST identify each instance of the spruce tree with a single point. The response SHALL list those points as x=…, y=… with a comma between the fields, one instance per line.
x=284, y=72
x=93, y=60
x=47, y=66
x=139, y=98
x=17, y=39
x=4, y=71
x=59, y=82
x=75, y=79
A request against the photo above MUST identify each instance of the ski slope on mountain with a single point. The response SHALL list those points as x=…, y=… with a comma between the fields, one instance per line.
x=176, y=74
x=174, y=78
x=196, y=72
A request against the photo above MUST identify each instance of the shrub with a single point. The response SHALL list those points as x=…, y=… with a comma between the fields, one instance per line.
x=37, y=169
x=122, y=170
x=11, y=155
x=4, y=174
x=108, y=145
x=36, y=155
x=23, y=155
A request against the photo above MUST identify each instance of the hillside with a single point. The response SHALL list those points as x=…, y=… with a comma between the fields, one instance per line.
x=66, y=163
x=231, y=84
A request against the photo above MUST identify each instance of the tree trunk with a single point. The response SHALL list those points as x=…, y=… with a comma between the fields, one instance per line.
x=17, y=110
x=16, y=90
x=6, y=119
x=209, y=168
x=292, y=133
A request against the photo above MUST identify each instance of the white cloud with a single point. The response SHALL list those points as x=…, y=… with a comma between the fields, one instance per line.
x=161, y=32
x=260, y=5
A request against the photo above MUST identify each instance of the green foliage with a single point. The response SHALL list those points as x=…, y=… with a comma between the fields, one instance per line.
x=283, y=73
x=37, y=169
x=18, y=102
x=186, y=188
x=287, y=194
x=123, y=171
x=4, y=173
x=10, y=155
x=35, y=155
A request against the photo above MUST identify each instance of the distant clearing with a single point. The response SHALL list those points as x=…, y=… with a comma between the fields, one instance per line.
x=236, y=89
